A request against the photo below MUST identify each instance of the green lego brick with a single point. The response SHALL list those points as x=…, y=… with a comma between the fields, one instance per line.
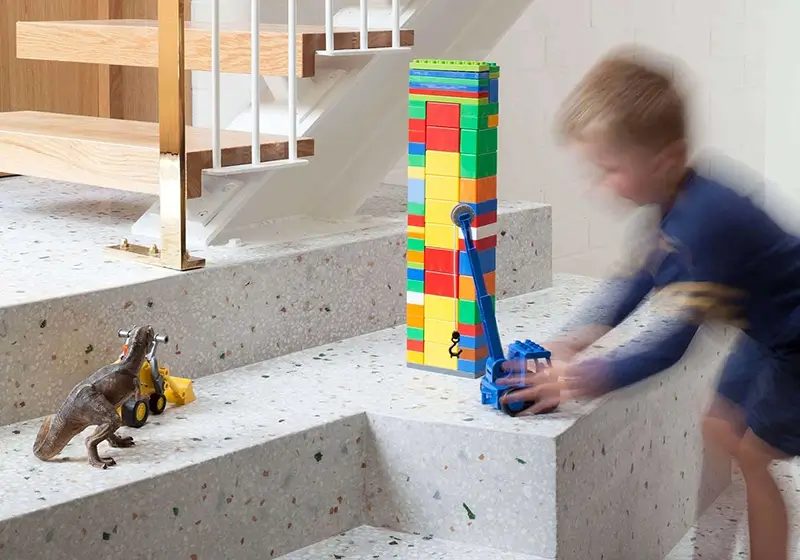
x=413, y=333
x=468, y=312
x=478, y=166
x=416, y=160
x=453, y=81
x=416, y=208
x=463, y=101
x=418, y=266
x=417, y=109
x=415, y=286
x=416, y=245
x=453, y=65
x=480, y=110
x=474, y=123
x=477, y=141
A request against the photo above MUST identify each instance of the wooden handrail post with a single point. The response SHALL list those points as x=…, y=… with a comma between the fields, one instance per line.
x=172, y=145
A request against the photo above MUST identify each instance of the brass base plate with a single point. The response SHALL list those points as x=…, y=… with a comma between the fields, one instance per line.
x=144, y=255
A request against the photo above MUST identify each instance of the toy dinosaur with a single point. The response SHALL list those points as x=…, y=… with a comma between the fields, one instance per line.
x=94, y=402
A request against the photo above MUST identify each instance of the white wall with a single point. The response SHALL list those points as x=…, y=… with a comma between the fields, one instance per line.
x=783, y=111
x=553, y=44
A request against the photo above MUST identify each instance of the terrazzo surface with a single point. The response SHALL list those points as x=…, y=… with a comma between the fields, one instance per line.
x=54, y=233
x=370, y=543
x=286, y=395
x=347, y=426
x=721, y=534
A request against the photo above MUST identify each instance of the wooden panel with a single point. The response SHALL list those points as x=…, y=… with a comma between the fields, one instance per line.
x=48, y=86
x=135, y=43
x=117, y=154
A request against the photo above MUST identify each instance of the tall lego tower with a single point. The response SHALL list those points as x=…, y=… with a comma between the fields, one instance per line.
x=452, y=159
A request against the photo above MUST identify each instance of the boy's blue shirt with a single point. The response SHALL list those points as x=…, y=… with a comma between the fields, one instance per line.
x=718, y=257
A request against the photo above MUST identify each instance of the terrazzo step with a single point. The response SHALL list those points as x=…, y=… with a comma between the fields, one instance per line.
x=366, y=542
x=64, y=299
x=282, y=454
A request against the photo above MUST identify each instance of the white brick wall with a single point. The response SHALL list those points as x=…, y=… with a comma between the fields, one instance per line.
x=552, y=45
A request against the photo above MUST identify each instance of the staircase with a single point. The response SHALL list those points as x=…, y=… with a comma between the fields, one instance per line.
x=166, y=158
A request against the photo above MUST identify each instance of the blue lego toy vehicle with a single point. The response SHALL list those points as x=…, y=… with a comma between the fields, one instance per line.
x=519, y=352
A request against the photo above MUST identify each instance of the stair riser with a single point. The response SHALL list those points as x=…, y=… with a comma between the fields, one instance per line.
x=253, y=504
x=224, y=317
x=610, y=486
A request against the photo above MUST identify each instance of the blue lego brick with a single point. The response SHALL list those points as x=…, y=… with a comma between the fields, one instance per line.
x=416, y=190
x=416, y=274
x=443, y=74
x=528, y=350
x=494, y=91
x=486, y=207
x=416, y=149
x=487, y=258
x=472, y=342
x=450, y=87
x=472, y=367
x=490, y=394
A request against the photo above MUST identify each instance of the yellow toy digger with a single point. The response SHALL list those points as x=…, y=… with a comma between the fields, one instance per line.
x=156, y=387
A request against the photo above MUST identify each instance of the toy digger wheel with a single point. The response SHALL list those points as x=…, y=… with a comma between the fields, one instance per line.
x=515, y=408
x=158, y=403
x=460, y=209
x=135, y=413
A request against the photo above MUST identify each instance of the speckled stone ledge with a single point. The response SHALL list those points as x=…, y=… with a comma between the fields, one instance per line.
x=345, y=435
x=368, y=543
x=236, y=312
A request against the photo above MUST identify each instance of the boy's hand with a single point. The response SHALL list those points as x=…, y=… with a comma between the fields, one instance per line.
x=550, y=386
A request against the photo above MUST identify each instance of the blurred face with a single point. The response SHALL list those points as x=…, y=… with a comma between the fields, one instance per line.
x=638, y=175
x=631, y=174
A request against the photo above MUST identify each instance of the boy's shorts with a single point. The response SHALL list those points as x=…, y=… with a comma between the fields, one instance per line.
x=767, y=388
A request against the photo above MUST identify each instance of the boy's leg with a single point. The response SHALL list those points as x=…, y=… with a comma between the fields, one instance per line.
x=724, y=423
x=767, y=517
x=773, y=420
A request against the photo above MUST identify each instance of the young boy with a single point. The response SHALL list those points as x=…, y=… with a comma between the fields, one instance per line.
x=718, y=256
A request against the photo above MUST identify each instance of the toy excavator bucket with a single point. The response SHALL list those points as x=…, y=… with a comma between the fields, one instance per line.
x=178, y=390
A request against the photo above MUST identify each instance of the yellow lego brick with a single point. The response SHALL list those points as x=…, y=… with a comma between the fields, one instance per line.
x=440, y=236
x=438, y=355
x=438, y=212
x=415, y=357
x=439, y=332
x=492, y=121
x=440, y=308
x=442, y=188
x=447, y=164
x=416, y=172
x=416, y=232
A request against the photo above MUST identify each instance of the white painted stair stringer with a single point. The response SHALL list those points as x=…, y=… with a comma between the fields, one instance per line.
x=359, y=127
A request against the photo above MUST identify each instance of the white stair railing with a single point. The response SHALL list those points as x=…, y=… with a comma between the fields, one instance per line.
x=255, y=80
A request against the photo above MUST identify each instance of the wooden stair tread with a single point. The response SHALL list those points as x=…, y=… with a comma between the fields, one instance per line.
x=127, y=42
x=117, y=154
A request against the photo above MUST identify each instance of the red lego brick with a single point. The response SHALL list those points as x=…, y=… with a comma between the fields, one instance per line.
x=416, y=124
x=418, y=221
x=441, y=260
x=415, y=345
x=484, y=219
x=480, y=244
x=443, y=139
x=470, y=330
x=440, y=284
x=443, y=114
x=416, y=136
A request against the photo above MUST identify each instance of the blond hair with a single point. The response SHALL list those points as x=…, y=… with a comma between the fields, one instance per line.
x=630, y=97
